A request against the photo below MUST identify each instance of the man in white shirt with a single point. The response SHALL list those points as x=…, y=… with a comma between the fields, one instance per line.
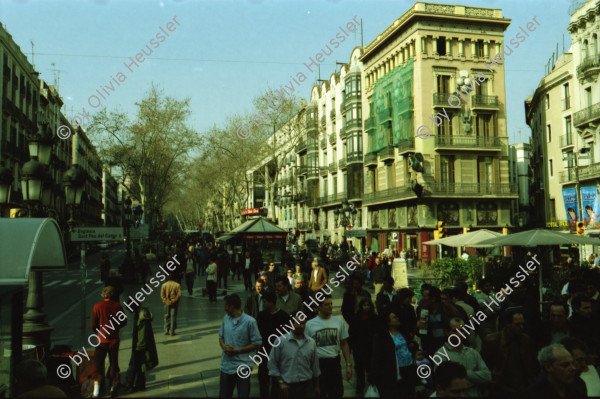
x=331, y=335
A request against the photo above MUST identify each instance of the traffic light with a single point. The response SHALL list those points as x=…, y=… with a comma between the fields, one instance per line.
x=465, y=230
x=441, y=229
x=505, y=231
x=580, y=228
x=436, y=235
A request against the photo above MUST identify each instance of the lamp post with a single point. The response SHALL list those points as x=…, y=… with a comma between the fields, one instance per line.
x=74, y=180
x=127, y=266
x=36, y=330
x=345, y=215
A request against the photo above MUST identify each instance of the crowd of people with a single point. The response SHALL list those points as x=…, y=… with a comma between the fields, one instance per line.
x=384, y=338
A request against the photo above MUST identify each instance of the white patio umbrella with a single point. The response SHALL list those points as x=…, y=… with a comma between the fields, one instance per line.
x=470, y=239
x=540, y=237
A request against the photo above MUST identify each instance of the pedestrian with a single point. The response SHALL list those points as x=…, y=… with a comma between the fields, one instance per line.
x=104, y=267
x=331, y=336
x=268, y=320
x=254, y=301
x=144, y=356
x=104, y=315
x=31, y=381
x=247, y=271
x=380, y=272
x=170, y=294
x=290, y=276
x=392, y=367
x=361, y=330
x=287, y=300
x=144, y=269
x=239, y=339
x=271, y=274
x=190, y=273
x=318, y=277
x=352, y=297
x=295, y=363
x=116, y=282
x=211, y=280
x=558, y=377
x=450, y=380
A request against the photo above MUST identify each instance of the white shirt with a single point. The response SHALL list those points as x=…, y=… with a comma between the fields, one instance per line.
x=315, y=274
x=327, y=334
x=211, y=272
x=247, y=263
x=592, y=381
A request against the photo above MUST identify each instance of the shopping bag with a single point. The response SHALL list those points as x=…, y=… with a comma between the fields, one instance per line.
x=372, y=392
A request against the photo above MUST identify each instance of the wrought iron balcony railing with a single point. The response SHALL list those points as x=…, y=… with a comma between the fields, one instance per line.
x=481, y=100
x=587, y=115
x=475, y=142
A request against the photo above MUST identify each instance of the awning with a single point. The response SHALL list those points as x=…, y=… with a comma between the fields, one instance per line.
x=253, y=236
x=226, y=237
x=29, y=244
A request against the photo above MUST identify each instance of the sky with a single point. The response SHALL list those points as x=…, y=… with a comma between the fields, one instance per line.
x=224, y=53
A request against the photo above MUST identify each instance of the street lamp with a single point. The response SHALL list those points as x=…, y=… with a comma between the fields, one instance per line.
x=345, y=215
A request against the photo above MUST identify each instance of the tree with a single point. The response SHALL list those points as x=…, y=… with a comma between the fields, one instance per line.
x=152, y=151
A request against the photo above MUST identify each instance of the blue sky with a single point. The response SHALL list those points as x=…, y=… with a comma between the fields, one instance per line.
x=225, y=52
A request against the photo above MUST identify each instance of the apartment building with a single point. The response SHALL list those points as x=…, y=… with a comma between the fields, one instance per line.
x=549, y=113
x=563, y=114
x=410, y=72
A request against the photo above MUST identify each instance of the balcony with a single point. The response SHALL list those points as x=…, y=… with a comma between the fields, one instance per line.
x=301, y=147
x=440, y=99
x=333, y=138
x=566, y=140
x=333, y=167
x=323, y=143
x=323, y=171
x=475, y=189
x=371, y=159
x=464, y=142
x=354, y=157
x=349, y=98
x=587, y=116
x=384, y=115
x=312, y=125
x=331, y=199
x=332, y=114
x=343, y=133
x=342, y=163
x=406, y=146
x=353, y=124
x=589, y=67
x=370, y=125
x=323, y=122
x=387, y=154
x=567, y=176
x=391, y=194
x=483, y=101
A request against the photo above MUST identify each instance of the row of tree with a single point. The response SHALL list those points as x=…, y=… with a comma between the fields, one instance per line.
x=179, y=174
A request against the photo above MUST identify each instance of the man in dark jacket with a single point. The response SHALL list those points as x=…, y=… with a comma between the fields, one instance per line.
x=352, y=297
x=143, y=350
x=558, y=377
x=268, y=320
x=583, y=325
x=254, y=301
x=510, y=356
x=387, y=298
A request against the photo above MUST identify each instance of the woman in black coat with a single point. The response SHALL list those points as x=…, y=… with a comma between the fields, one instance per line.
x=361, y=331
x=390, y=358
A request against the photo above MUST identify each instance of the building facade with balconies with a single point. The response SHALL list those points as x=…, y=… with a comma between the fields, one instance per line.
x=549, y=114
x=410, y=71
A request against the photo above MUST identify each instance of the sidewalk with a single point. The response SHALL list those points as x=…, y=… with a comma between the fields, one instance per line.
x=189, y=361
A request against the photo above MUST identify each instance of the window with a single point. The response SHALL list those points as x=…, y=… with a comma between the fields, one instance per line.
x=334, y=188
x=567, y=95
x=443, y=84
x=482, y=88
x=373, y=180
x=345, y=182
x=325, y=187
x=447, y=169
x=547, y=101
x=484, y=170
x=588, y=96
x=441, y=45
x=569, y=131
x=549, y=131
x=445, y=128
x=551, y=168
x=391, y=175
x=479, y=48
x=485, y=125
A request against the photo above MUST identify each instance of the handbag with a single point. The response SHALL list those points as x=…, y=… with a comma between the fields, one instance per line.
x=372, y=392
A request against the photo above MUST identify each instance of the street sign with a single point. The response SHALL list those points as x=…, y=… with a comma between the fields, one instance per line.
x=97, y=234
x=140, y=232
x=394, y=237
x=356, y=233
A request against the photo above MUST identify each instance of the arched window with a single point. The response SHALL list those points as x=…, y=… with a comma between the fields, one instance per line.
x=595, y=46
x=584, y=50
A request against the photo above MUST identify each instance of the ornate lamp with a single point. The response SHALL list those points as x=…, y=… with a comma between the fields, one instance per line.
x=33, y=175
